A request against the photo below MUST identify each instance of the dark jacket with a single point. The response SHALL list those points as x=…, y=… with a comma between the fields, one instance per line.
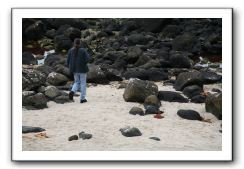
x=77, y=61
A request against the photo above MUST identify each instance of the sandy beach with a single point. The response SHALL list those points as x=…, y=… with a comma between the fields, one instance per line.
x=106, y=112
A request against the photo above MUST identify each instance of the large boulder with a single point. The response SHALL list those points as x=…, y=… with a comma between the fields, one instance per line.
x=52, y=92
x=32, y=79
x=188, y=78
x=137, y=90
x=135, y=39
x=191, y=91
x=133, y=54
x=46, y=70
x=35, y=30
x=179, y=59
x=186, y=42
x=171, y=31
x=72, y=33
x=32, y=100
x=196, y=78
x=97, y=75
x=56, y=79
x=189, y=114
x=170, y=96
x=62, y=42
x=153, y=24
x=28, y=59
x=54, y=59
x=213, y=104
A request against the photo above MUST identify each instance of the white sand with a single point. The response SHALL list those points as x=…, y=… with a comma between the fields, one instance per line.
x=106, y=112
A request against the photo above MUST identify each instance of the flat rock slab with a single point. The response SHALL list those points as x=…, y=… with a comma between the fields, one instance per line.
x=29, y=129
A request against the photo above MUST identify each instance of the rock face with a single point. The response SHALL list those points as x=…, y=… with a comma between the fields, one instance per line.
x=191, y=91
x=32, y=79
x=31, y=100
x=171, y=97
x=152, y=100
x=136, y=110
x=137, y=90
x=56, y=79
x=189, y=115
x=29, y=129
x=85, y=136
x=214, y=104
x=28, y=59
x=130, y=131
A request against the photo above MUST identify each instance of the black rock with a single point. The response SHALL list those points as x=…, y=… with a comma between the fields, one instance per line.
x=210, y=77
x=171, y=97
x=187, y=79
x=130, y=131
x=186, y=42
x=189, y=115
x=62, y=42
x=28, y=59
x=155, y=138
x=35, y=30
x=135, y=39
x=29, y=129
x=198, y=99
x=191, y=91
x=136, y=110
x=74, y=137
x=150, y=109
x=214, y=104
x=31, y=100
x=179, y=59
x=84, y=135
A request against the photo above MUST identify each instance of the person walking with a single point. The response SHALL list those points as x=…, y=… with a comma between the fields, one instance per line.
x=77, y=62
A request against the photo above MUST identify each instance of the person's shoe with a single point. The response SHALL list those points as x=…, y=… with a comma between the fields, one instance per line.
x=71, y=95
x=83, y=101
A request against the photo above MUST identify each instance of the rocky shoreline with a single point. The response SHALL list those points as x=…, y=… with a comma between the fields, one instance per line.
x=136, y=54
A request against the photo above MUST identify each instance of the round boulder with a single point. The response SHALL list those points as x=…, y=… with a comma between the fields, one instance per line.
x=130, y=131
x=137, y=90
x=56, y=79
x=136, y=110
x=191, y=91
x=52, y=92
x=152, y=100
x=189, y=115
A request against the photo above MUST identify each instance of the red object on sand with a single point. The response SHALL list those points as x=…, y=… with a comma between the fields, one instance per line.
x=158, y=116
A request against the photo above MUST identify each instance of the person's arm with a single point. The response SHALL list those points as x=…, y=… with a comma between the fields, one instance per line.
x=87, y=56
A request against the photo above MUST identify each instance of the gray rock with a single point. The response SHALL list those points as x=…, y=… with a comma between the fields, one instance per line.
x=96, y=75
x=33, y=101
x=56, y=79
x=130, y=131
x=52, y=92
x=136, y=110
x=137, y=90
x=32, y=79
x=63, y=98
x=84, y=135
x=179, y=59
x=214, y=104
x=29, y=129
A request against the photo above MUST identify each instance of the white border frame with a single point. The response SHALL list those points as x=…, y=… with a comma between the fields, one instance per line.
x=19, y=155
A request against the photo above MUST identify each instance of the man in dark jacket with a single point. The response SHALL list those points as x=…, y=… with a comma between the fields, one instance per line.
x=77, y=63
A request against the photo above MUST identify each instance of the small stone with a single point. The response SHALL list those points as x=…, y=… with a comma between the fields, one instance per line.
x=150, y=109
x=74, y=137
x=136, y=110
x=155, y=138
x=84, y=135
x=130, y=131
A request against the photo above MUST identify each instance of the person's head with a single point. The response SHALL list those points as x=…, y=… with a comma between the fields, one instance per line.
x=77, y=43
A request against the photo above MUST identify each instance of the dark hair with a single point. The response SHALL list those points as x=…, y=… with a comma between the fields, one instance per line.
x=77, y=46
